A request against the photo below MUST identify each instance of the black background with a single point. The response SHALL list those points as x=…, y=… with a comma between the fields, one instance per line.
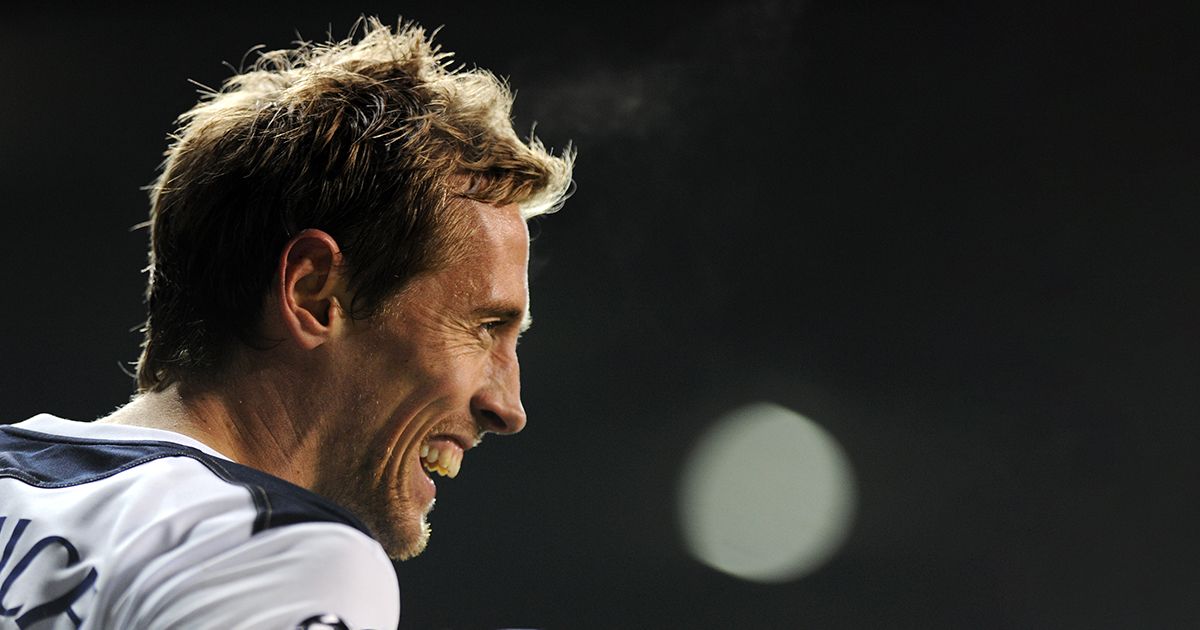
x=961, y=238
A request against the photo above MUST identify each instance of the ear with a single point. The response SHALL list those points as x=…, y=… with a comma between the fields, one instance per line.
x=308, y=286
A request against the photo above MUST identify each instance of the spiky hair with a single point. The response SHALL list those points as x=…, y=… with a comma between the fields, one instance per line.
x=370, y=139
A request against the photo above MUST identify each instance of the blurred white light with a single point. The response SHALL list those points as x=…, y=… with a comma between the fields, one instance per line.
x=767, y=495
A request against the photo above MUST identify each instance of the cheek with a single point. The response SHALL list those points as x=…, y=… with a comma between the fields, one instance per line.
x=456, y=379
x=434, y=385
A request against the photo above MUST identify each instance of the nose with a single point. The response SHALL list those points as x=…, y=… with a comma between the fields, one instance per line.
x=497, y=407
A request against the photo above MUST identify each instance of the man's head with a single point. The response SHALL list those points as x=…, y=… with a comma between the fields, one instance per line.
x=414, y=387
x=356, y=213
x=370, y=142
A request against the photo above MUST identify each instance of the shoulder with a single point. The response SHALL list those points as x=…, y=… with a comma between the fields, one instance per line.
x=179, y=536
x=83, y=458
x=278, y=579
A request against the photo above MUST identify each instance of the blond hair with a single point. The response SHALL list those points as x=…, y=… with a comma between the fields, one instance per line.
x=370, y=139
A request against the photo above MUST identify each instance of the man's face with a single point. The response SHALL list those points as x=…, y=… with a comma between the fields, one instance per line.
x=425, y=378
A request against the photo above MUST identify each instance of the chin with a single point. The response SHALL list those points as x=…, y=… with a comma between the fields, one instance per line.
x=410, y=547
x=403, y=538
x=401, y=527
x=397, y=523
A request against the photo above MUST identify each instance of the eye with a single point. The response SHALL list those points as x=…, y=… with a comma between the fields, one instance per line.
x=491, y=330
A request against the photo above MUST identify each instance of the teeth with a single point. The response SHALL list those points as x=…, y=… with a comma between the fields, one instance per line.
x=435, y=468
x=446, y=462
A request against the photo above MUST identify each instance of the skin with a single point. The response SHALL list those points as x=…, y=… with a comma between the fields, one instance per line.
x=342, y=406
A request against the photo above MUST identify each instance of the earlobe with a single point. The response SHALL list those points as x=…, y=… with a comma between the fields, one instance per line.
x=308, y=283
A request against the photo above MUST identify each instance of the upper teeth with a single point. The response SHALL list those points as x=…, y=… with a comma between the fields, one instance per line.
x=446, y=462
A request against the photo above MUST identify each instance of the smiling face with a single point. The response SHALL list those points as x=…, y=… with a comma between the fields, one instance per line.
x=427, y=376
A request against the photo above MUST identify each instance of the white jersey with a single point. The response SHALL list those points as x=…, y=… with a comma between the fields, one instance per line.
x=107, y=526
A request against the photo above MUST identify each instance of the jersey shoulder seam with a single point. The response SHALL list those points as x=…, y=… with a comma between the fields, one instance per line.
x=302, y=505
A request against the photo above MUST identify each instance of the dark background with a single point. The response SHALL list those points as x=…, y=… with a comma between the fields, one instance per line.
x=961, y=238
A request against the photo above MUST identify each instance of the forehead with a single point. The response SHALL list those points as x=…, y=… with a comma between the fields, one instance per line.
x=494, y=239
x=491, y=268
x=496, y=229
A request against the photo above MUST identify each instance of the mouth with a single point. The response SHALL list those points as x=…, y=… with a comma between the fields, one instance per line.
x=442, y=453
x=442, y=456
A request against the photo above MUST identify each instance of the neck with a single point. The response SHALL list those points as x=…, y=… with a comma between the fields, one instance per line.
x=253, y=421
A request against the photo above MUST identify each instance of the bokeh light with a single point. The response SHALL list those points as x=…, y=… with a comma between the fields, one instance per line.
x=767, y=495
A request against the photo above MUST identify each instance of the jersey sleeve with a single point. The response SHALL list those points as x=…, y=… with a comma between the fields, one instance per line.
x=312, y=575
